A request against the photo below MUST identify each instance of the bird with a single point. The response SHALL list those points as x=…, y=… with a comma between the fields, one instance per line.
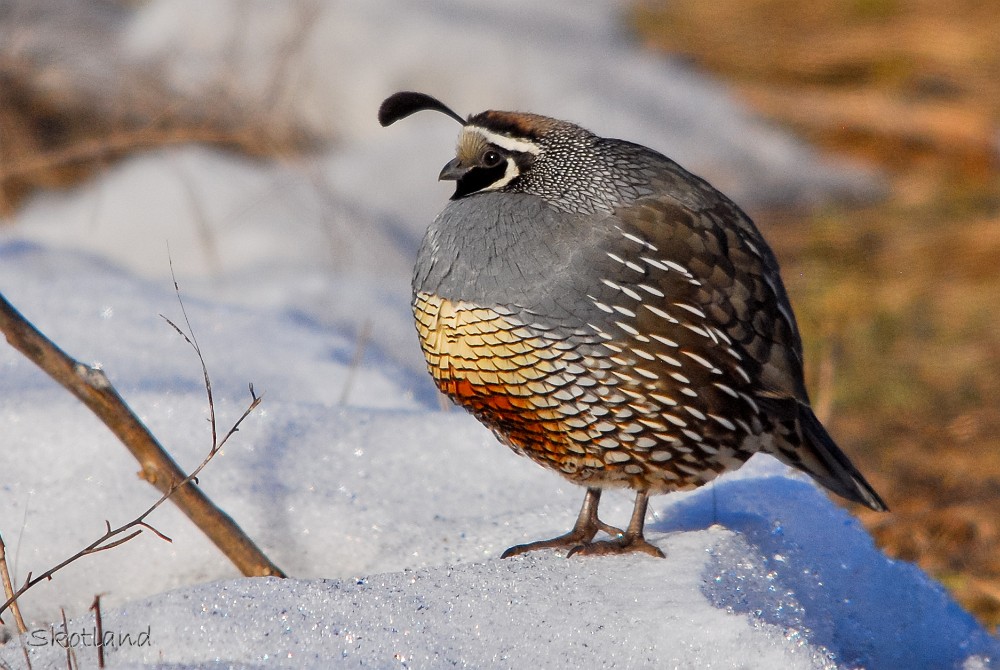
x=612, y=317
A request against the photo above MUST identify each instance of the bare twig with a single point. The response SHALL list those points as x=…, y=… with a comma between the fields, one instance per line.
x=193, y=341
x=287, y=70
x=92, y=387
x=119, y=143
x=823, y=405
x=99, y=623
x=114, y=537
x=364, y=335
x=8, y=589
x=199, y=216
x=70, y=654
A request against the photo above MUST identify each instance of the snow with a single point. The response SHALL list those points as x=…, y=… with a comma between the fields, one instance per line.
x=389, y=510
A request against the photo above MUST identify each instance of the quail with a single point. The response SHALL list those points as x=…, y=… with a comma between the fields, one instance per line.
x=611, y=316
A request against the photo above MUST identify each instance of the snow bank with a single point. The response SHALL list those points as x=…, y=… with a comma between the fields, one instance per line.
x=389, y=511
x=403, y=509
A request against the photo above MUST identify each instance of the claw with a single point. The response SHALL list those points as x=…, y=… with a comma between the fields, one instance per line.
x=610, y=530
x=569, y=541
x=586, y=527
x=617, y=546
x=580, y=539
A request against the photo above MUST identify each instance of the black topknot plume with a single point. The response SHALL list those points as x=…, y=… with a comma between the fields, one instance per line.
x=400, y=105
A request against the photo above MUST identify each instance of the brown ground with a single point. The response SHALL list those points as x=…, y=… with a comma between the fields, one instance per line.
x=898, y=301
x=50, y=137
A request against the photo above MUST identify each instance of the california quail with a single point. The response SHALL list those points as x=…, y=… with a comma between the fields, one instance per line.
x=612, y=317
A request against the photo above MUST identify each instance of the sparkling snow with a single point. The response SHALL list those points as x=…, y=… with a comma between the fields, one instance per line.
x=388, y=511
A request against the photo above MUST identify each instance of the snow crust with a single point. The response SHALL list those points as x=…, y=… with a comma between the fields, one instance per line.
x=388, y=509
x=390, y=514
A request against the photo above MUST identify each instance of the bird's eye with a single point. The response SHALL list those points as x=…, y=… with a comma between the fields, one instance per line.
x=492, y=158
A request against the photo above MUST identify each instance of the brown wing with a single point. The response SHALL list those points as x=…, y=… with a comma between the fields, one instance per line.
x=714, y=329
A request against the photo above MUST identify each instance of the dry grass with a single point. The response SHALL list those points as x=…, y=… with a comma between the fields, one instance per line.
x=897, y=300
x=51, y=139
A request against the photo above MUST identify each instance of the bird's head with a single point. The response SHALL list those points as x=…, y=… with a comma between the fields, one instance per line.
x=508, y=151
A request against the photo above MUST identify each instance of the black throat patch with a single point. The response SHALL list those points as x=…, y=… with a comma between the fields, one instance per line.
x=479, y=178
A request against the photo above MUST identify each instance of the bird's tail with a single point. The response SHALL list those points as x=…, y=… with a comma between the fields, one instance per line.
x=828, y=465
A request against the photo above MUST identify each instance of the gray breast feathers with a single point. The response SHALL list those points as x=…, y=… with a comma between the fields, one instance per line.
x=502, y=249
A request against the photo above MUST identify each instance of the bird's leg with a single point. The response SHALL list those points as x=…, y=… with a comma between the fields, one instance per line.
x=586, y=527
x=630, y=541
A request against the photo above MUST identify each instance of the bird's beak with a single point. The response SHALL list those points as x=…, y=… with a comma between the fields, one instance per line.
x=453, y=171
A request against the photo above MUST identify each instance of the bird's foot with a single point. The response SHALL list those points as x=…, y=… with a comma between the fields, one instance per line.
x=578, y=537
x=619, y=545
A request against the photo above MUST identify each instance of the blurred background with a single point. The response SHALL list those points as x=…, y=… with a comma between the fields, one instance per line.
x=862, y=135
x=897, y=299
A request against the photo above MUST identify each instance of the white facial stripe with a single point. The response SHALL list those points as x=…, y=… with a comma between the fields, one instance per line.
x=509, y=174
x=504, y=142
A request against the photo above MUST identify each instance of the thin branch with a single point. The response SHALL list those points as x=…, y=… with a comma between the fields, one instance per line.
x=8, y=590
x=193, y=341
x=823, y=405
x=110, y=539
x=99, y=623
x=112, y=545
x=364, y=335
x=120, y=142
x=70, y=652
x=155, y=532
x=199, y=216
x=92, y=387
